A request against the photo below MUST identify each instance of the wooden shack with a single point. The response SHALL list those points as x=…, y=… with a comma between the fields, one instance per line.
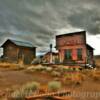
x=16, y=51
x=50, y=57
x=73, y=48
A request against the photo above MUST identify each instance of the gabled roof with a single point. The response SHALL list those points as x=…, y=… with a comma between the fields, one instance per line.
x=89, y=47
x=19, y=43
x=54, y=53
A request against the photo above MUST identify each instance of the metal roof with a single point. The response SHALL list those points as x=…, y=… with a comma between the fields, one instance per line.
x=20, y=43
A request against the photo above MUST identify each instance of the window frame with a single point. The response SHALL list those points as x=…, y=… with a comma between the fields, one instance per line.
x=68, y=54
x=79, y=53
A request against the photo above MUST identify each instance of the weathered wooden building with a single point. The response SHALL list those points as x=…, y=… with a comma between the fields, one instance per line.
x=50, y=57
x=73, y=48
x=16, y=51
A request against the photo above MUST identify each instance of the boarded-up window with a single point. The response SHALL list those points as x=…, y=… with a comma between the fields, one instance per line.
x=68, y=54
x=79, y=54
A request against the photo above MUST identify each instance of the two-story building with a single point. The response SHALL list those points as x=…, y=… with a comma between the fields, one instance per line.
x=73, y=49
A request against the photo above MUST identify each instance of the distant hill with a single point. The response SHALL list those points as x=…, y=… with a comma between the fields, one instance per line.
x=97, y=56
x=97, y=60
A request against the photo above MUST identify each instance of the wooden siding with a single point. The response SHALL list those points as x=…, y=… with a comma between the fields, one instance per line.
x=14, y=53
x=70, y=40
x=10, y=52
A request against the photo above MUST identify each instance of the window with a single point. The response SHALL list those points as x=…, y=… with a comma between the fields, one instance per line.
x=79, y=54
x=68, y=54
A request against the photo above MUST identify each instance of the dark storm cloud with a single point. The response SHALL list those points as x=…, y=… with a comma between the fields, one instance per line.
x=37, y=20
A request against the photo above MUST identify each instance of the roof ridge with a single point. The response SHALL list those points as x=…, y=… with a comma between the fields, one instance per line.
x=20, y=41
x=71, y=33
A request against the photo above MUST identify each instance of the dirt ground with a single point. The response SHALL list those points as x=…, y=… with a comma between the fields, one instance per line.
x=12, y=79
x=89, y=88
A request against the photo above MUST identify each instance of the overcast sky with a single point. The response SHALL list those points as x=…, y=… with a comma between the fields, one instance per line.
x=38, y=21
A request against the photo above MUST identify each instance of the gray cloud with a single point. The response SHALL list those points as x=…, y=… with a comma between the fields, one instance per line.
x=37, y=20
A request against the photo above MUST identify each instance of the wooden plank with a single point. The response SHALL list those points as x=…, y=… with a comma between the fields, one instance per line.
x=58, y=93
x=62, y=98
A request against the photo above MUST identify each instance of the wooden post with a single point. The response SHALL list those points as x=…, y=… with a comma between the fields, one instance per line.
x=51, y=54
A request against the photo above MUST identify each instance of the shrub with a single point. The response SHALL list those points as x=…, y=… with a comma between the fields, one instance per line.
x=69, y=76
x=36, y=68
x=54, y=85
x=77, y=69
x=40, y=68
x=26, y=90
x=67, y=69
x=55, y=74
x=19, y=95
x=60, y=69
x=31, y=86
x=56, y=79
x=48, y=69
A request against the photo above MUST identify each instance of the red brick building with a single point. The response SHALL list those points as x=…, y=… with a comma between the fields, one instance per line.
x=73, y=48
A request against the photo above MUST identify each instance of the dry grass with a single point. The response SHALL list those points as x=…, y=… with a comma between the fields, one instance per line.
x=55, y=74
x=82, y=80
x=86, y=72
x=78, y=78
x=38, y=68
x=7, y=65
x=12, y=66
x=96, y=75
x=26, y=90
x=73, y=78
x=54, y=85
x=97, y=61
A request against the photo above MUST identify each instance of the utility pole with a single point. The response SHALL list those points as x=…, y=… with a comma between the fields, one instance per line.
x=51, y=53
